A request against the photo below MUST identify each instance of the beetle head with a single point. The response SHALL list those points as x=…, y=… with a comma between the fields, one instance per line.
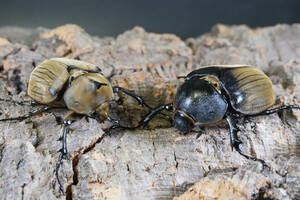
x=183, y=122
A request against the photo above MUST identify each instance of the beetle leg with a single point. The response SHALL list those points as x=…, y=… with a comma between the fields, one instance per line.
x=63, y=137
x=271, y=111
x=63, y=151
x=150, y=115
x=200, y=132
x=58, y=119
x=235, y=141
x=138, y=98
x=145, y=120
x=64, y=131
x=116, y=89
x=114, y=121
x=20, y=102
x=31, y=114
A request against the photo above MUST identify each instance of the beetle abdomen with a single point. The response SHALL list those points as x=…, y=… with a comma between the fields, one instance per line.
x=250, y=90
x=46, y=80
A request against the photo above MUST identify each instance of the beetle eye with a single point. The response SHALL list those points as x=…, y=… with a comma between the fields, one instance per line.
x=183, y=123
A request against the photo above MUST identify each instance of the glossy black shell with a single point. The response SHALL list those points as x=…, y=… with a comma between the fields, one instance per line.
x=249, y=90
x=201, y=101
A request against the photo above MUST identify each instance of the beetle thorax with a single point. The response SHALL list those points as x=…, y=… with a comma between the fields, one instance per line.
x=199, y=99
x=83, y=96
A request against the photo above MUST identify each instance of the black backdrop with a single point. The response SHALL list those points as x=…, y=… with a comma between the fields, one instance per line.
x=186, y=18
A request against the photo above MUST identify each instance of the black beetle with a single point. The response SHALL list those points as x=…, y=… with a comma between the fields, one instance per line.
x=213, y=93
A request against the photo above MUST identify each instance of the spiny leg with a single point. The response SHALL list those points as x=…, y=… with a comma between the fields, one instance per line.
x=114, y=121
x=235, y=141
x=63, y=151
x=145, y=120
x=151, y=114
x=21, y=102
x=271, y=111
x=31, y=114
x=139, y=99
x=199, y=132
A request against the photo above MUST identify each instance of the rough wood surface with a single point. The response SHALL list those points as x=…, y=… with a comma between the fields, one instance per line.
x=154, y=163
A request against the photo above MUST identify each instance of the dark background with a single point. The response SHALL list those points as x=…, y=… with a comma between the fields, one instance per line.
x=186, y=18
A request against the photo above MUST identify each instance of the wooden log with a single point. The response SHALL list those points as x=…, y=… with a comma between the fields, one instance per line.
x=155, y=162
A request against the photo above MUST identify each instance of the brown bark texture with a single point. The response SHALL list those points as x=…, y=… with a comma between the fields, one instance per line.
x=154, y=162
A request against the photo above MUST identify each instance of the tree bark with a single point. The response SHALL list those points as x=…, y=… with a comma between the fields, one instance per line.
x=154, y=162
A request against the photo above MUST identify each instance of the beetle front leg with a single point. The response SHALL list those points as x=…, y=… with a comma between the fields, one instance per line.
x=146, y=119
x=235, y=141
x=139, y=99
x=153, y=112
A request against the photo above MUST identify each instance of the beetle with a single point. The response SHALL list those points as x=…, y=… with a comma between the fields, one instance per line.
x=78, y=86
x=213, y=93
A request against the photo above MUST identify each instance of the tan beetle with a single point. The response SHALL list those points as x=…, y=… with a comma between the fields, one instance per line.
x=79, y=86
x=84, y=92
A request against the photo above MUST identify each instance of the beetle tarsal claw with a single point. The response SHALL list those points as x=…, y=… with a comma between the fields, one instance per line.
x=61, y=151
x=64, y=154
x=237, y=141
x=236, y=144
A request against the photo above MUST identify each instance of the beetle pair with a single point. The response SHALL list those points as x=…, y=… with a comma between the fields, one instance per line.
x=207, y=96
